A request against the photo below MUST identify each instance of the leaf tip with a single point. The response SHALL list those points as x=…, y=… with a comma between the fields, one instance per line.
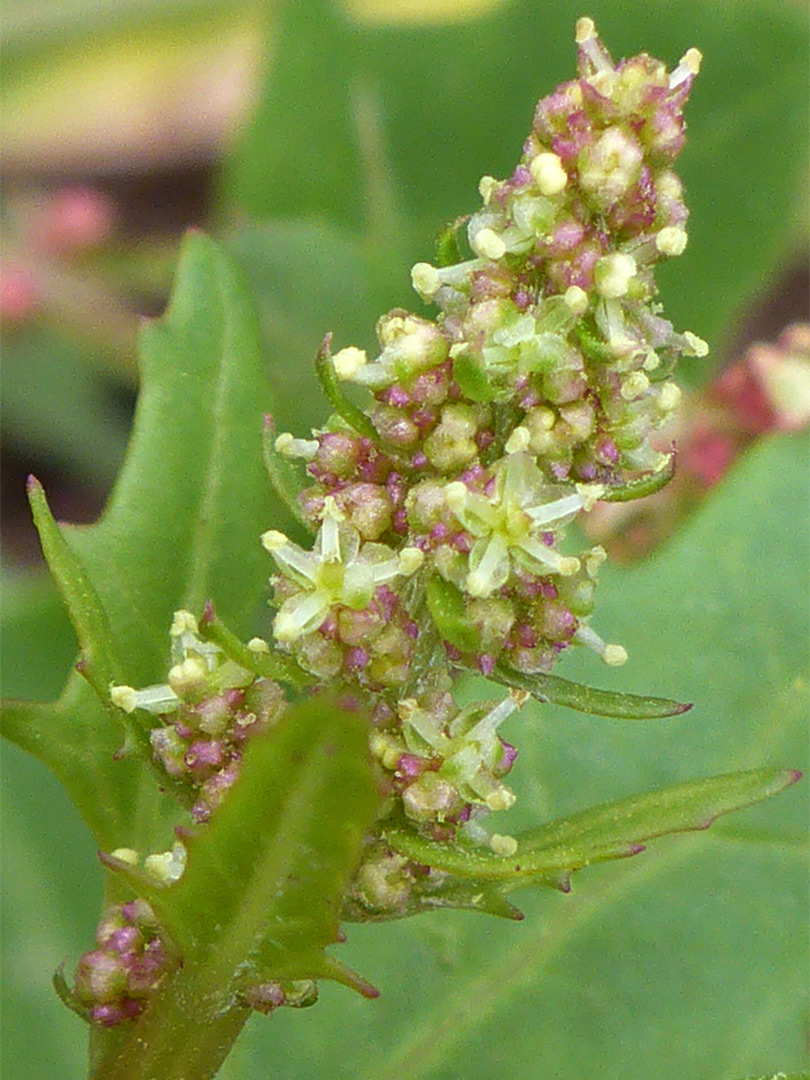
x=683, y=707
x=209, y=614
x=793, y=776
x=32, y=485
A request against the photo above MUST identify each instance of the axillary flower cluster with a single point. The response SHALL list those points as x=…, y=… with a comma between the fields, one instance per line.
x=440, y=509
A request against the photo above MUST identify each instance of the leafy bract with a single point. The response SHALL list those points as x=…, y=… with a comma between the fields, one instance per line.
x=614, y=830
x=182, y=525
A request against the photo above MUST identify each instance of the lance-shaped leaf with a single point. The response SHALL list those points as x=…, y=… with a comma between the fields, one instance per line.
x=446, y=605
x=588, y=699
x=612, y=831
x=260, y=896
x=286, y=482
x=182, y=525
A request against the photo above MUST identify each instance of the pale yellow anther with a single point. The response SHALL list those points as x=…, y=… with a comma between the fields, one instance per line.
x=348, y=362
x=486, y=188
x=614, y=655
x=273, y=540
x=283, y=442
x=425, y=279
x=183, y=622
x=407, y=707
x=503, y=845
x=613, y=274
x=697, y=346
x=548, y=173
x=634, y=386
x=410, y=559
x=576, y=300
x=127, y=855
x=258, y=645
x=519, y=440
x=545, y=417
x=671, y=240
x=489, y=244
x=189, y=676
x=455, y=495
x=594, y=559
x=167, y=866
x=124, y=697
x=585, y=29
x=651, y=361
x=569, y=565
x=670, y=397
x=693, y=58
x=502, y=798
x=590, y=494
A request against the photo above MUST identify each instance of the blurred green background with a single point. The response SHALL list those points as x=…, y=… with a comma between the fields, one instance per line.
x=325, y=143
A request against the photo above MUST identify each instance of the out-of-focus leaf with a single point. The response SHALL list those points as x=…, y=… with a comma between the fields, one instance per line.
x=470, y=107
x=182, y=526
x=56, y=406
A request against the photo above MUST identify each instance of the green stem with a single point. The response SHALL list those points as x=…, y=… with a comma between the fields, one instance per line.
x=173, y=1040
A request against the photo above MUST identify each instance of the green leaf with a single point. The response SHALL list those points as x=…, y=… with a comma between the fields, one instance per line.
x=266, y=877
x=100, y=666
x=611, y=831
x=588, y=699
x=183, y=525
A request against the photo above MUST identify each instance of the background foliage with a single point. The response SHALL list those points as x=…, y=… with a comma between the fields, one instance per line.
x=370, y=132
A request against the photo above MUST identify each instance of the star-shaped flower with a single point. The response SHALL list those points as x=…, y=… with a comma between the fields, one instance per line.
x=517, y=522
x=338, y=571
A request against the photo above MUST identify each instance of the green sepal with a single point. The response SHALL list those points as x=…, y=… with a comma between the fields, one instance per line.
x=614, y=830
x=448, y=249
x=252, y=904
x=67, y=996
x=265, y=665
x=346, y=410
x=552, y=689
x=283, y=476
x=594, y=348
x=471, y=375
x=641, y=486
x=446, y=606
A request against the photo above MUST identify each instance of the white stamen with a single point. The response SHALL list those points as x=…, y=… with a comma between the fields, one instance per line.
x=555, y=511
x=688, y=66
x=697, y=346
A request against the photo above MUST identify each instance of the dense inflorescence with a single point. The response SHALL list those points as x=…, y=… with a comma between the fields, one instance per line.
x=439, y=511
x=532, y=395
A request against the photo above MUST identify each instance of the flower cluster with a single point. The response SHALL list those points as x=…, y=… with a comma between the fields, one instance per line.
x=115, y=981
x=534, y=394
x=439, y=512
x=209, y=708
